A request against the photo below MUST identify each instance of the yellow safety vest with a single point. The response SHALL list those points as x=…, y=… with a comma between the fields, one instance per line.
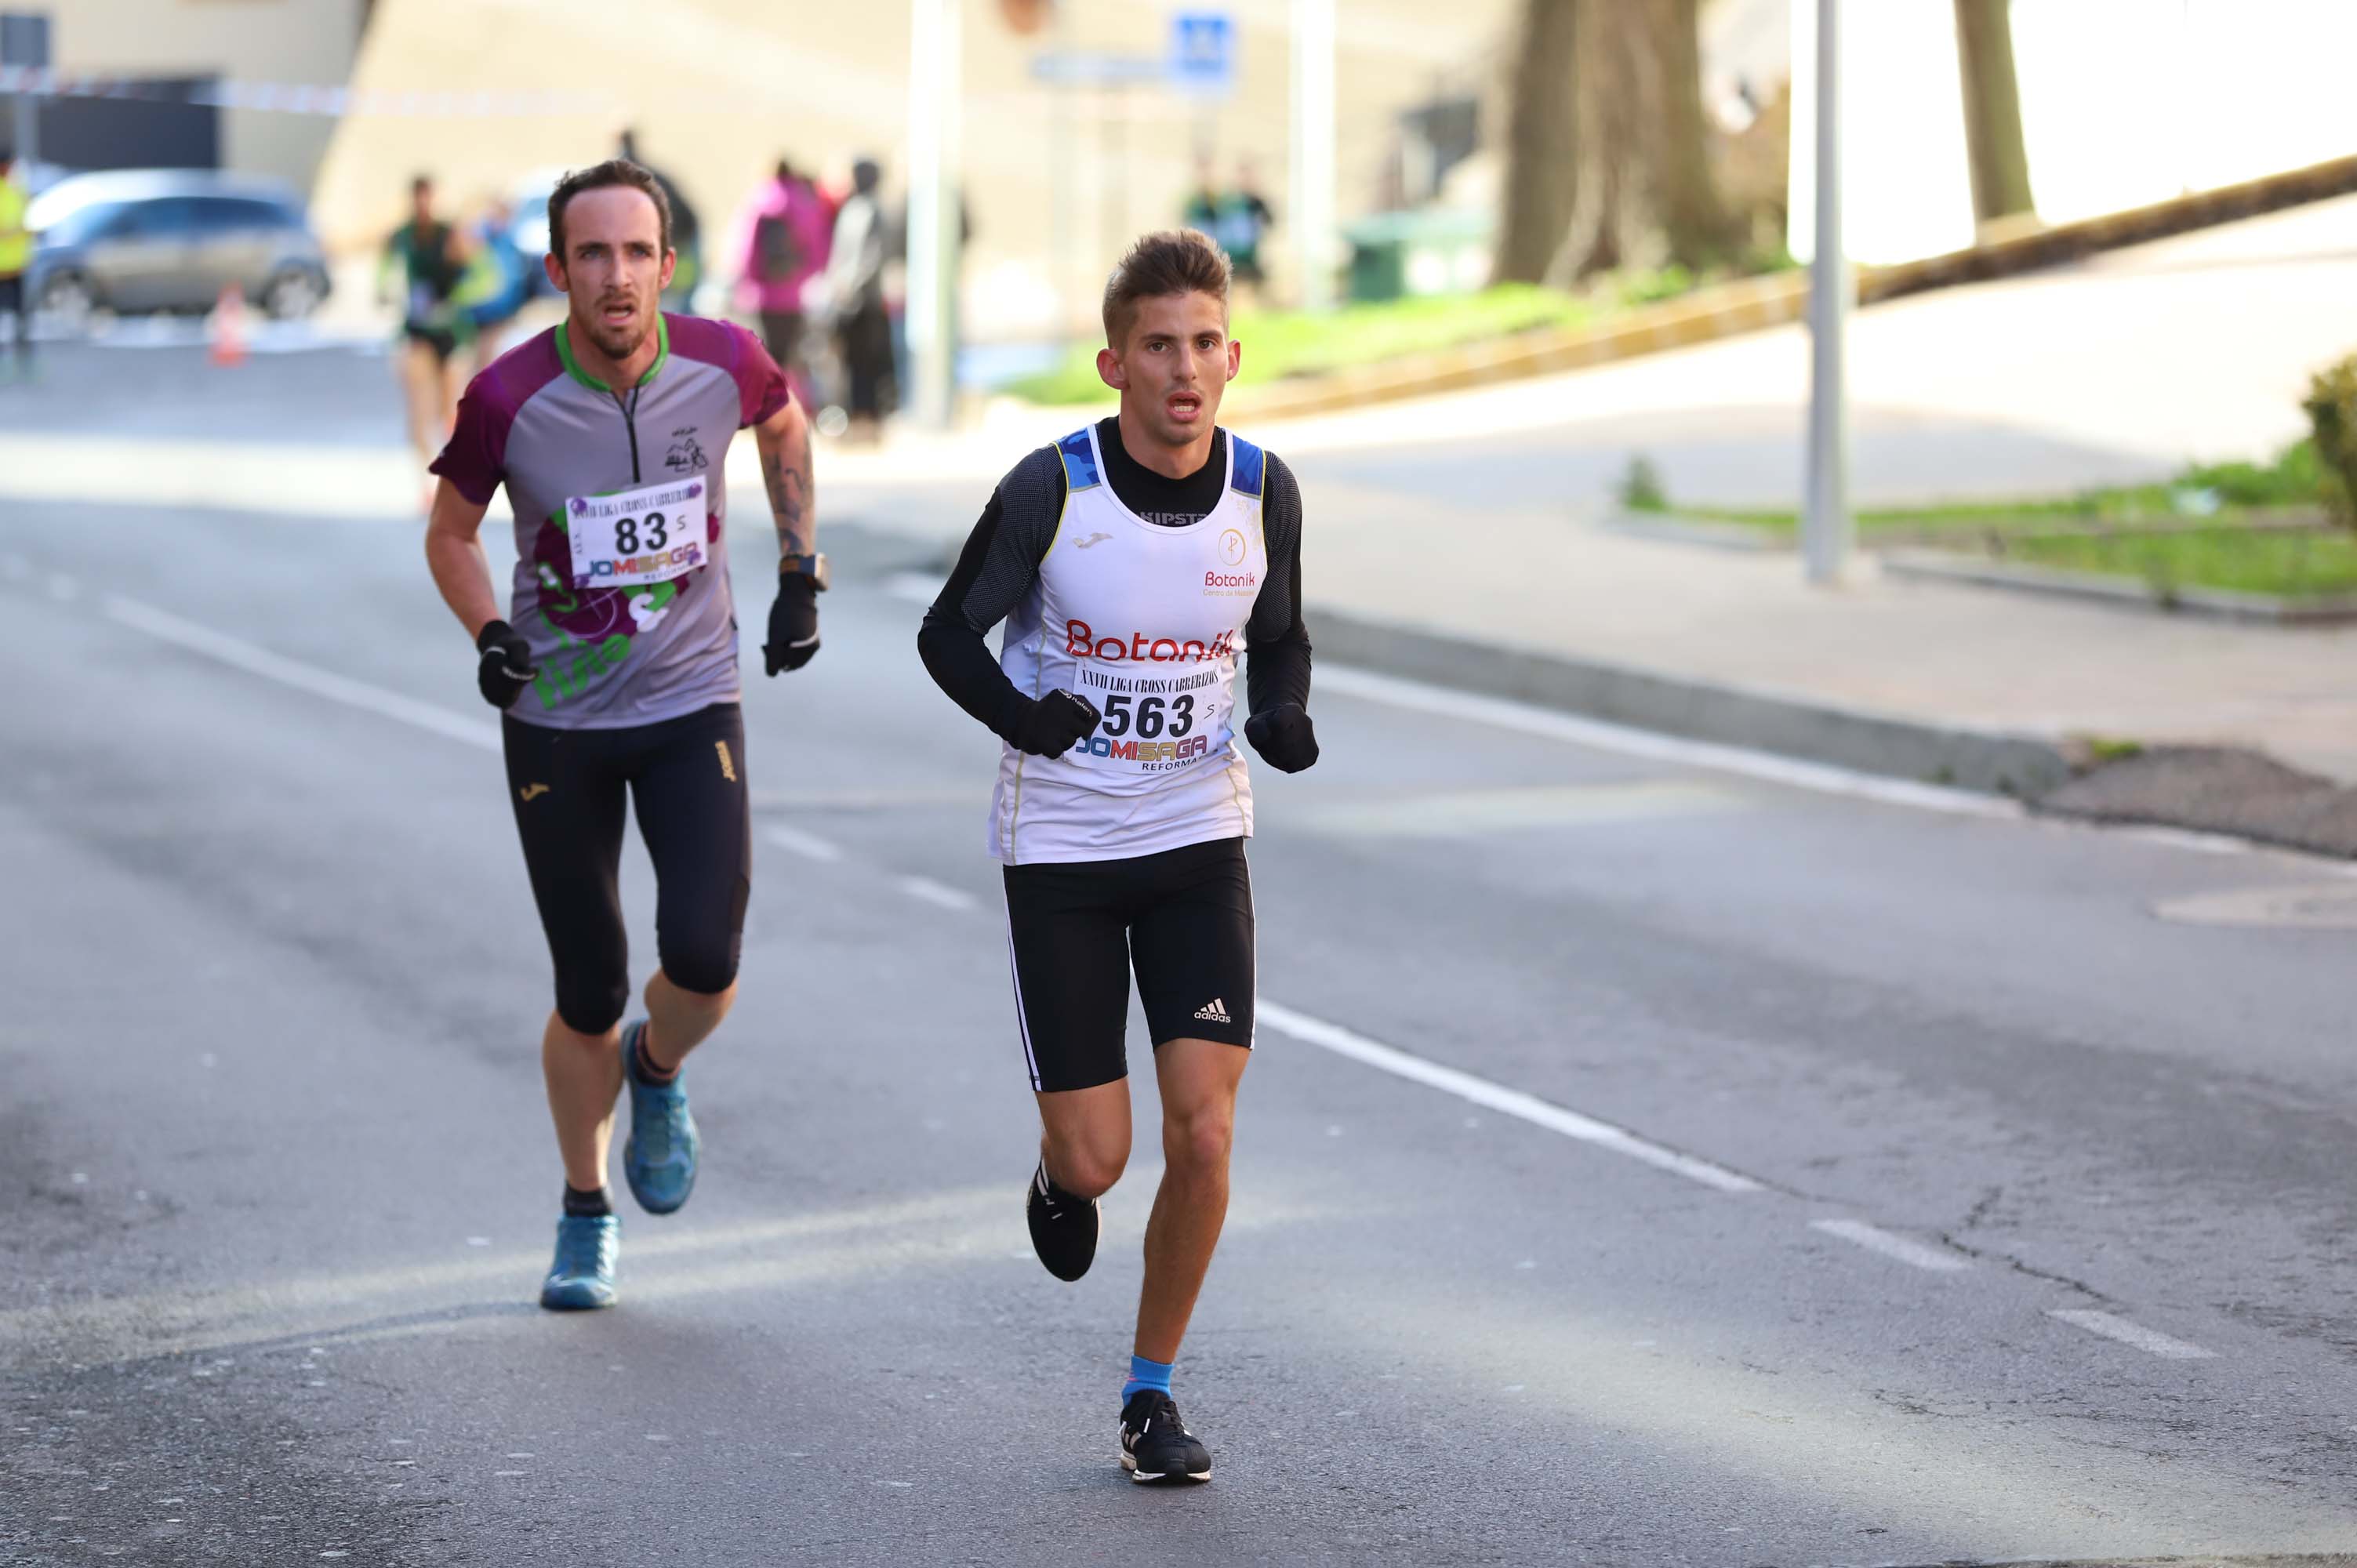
x=15, y=243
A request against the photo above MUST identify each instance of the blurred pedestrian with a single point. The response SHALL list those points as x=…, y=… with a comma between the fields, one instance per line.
x=687, y=232
x=1237, y=218
x=496, y=282
x=855, y=293
x=784, y=235
x=430, y=258
x=1250, y=220
x=16, y=260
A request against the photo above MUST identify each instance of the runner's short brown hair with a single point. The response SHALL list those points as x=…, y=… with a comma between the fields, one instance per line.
x=1171, y=261
x=601, y=176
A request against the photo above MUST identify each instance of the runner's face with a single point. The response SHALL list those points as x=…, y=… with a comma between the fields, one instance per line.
x=614, y=268
x=1176, y=363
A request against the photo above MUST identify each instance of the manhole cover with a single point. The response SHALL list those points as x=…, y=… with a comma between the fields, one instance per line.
x=2324, y=906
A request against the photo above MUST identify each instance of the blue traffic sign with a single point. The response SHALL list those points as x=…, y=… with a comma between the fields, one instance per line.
x=1203, y=51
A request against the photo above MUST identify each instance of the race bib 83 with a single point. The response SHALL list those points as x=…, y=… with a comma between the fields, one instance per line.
x=651, y=534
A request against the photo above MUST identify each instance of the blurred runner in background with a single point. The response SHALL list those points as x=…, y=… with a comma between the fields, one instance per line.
x=430, y=258
x=496, y=285
x=783, y=238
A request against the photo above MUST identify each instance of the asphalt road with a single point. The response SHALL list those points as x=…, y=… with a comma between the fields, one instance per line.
x=1645, y=1163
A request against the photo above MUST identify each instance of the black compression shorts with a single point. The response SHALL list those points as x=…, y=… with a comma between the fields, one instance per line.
x=686, y=777
x=442, y=340
x=1183, y=919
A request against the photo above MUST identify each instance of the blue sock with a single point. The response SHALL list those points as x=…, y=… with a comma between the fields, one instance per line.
x=1146, y=1374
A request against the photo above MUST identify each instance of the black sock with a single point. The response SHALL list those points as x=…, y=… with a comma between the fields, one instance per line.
x=643, y=1067
x=580, y=1204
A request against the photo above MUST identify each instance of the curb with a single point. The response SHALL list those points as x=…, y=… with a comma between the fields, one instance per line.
x=2089, y=587
x=1991, y=762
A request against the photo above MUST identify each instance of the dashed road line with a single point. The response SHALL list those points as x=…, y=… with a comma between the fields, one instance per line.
x=2149, y=1340
x=810, y=846
x=1498, y=1097
x=1874, y=1238
x=940, y=895
x=256, y=660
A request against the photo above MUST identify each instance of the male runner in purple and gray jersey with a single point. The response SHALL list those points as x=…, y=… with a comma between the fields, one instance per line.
x=618, y=674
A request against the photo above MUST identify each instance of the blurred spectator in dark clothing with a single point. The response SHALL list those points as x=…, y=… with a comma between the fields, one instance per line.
x=1239, y=219
x=854, y=292
x=687, y=232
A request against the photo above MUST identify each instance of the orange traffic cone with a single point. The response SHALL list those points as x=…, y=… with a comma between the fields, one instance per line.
x=229, y=327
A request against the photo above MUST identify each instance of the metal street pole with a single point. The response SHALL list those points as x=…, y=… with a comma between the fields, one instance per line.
x=1313, y=150
x=25, y=41
x=1827, y=532
x=1059, y=159
x=932, y=310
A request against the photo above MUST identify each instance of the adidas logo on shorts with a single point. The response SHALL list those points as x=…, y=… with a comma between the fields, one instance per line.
x=1217, y=1013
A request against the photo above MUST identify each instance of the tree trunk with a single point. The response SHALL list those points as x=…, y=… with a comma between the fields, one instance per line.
x=2000, y=161
x=1540, y=142
x=1699, y=226
x=1613, y=72
x=1644, y=193
x=1608, y=151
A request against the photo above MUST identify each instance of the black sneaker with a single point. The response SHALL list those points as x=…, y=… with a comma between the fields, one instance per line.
x=1063, y=1228
x=1156, y=1444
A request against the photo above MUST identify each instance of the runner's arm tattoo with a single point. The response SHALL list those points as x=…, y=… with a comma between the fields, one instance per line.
x=784, y=443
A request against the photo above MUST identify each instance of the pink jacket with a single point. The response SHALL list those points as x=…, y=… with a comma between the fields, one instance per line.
x=806, y=229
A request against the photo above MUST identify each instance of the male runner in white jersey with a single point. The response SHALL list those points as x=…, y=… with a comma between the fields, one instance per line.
x=1132, y=562
x=618, y=677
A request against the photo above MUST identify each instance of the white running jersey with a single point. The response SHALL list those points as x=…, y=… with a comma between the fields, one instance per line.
x=1145, y=621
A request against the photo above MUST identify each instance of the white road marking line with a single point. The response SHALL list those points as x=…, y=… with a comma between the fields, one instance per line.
x=925, y=890
x=1498, y=1096
x=913, y=587
x=1497, y=712
x=1876, y=1240
x=810, y=846
x=242, y=655
x=2145, y=1339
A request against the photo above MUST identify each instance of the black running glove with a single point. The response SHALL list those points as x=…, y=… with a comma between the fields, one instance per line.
x=793, y=623
x=506, y=668
x=1283, y=737
x=1049, y=726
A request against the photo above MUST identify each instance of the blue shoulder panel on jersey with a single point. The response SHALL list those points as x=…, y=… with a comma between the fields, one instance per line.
x=1080, y=462
x=1250, y=464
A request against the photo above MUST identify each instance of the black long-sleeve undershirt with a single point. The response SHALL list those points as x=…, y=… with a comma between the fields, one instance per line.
x=1002, y=555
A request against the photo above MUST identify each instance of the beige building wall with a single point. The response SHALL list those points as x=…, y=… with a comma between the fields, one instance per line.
x=717, y=88
x=295, y=42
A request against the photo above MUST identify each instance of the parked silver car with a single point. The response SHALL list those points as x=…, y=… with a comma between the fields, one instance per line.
x=172, y=240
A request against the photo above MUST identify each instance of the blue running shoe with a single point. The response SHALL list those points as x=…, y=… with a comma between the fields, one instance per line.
x=582, y=1278
x=659, y=1157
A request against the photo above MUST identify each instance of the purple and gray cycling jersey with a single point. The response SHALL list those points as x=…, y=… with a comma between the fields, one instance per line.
x=535, y=421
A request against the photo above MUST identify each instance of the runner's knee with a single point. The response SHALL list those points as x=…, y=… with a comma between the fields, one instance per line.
x=591, y=1004
x=1198, y=1140
x=1087, y=1169
x=707, y=965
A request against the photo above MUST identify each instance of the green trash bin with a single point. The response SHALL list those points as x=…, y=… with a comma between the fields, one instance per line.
x=1422, y=251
